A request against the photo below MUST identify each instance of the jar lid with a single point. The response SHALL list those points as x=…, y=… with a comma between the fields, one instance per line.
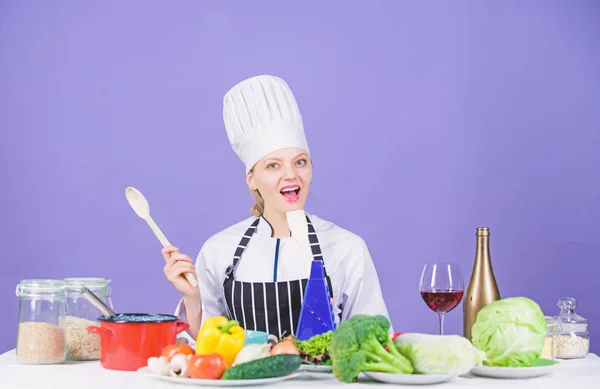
x=568, y=319
x=45, y=286
x=88, y=282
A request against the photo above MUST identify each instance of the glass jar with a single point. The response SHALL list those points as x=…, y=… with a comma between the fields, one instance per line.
x=81, y=344
x=41, y=333
x=573, y=341
x=552, y=332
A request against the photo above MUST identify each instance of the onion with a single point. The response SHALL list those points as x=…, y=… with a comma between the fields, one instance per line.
x=284, y=347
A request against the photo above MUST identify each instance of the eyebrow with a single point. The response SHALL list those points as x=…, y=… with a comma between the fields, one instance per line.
x=270, y=160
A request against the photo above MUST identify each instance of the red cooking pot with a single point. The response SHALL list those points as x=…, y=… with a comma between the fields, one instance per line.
x=127, y=340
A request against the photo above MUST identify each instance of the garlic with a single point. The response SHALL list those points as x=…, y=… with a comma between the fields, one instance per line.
x=178, y=366
x=158, y=365
x=252, y=352
x=272, y=340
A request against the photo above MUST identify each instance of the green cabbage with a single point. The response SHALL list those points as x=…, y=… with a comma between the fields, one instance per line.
x=439, y=354
x=510, y=331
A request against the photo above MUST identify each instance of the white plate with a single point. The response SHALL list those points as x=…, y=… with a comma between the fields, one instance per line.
x=200, y=382
x=316, y=368
x=408, y=379
x=514, y=372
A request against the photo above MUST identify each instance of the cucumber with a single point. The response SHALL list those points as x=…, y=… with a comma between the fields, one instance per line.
x=268, y=367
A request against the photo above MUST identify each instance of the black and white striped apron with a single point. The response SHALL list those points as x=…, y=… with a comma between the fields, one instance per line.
x=273, y=307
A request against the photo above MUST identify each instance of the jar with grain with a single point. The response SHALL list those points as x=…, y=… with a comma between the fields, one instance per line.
x=573, y=341
x=41, y=332
x=81, y=344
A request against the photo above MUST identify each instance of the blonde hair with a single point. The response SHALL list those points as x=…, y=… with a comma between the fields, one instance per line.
x=259, y=204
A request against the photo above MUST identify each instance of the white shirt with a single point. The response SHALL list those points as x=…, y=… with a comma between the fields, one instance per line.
x=347, y=261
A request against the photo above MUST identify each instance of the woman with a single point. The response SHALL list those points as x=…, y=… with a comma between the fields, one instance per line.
x=253, y=271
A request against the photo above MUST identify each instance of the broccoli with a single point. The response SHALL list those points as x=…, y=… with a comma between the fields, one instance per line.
x=359, y=344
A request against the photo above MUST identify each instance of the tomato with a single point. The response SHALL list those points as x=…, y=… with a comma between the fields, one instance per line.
x=175, y=349
x=208, y=367
x=396, y=334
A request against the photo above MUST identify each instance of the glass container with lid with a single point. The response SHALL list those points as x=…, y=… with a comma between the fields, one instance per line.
x=81, y=344
x=41, y=332
x=552, y=332
x=573, y=341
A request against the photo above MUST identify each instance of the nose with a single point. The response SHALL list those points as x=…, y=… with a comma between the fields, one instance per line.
x=289, y=172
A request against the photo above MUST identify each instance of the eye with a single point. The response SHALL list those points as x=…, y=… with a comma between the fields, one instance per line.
x=272, y=165
x=301, y=162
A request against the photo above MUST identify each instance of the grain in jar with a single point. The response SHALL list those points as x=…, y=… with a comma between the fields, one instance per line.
x=41, y=333
x=81, y=344
x=40, y=343
x=571, y=346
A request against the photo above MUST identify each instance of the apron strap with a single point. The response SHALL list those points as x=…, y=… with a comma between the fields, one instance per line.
x=230, y=272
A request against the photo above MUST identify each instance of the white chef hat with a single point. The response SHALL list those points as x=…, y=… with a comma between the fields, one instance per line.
x=261, y=115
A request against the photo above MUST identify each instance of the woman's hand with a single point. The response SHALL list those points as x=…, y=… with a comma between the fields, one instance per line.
x=177, y=265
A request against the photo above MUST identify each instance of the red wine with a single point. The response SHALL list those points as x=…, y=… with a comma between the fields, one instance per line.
x=442, y=301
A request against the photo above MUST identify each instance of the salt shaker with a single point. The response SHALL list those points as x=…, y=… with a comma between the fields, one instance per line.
x=573, y=341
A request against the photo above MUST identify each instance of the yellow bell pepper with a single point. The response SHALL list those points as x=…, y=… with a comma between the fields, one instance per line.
x=222, y=336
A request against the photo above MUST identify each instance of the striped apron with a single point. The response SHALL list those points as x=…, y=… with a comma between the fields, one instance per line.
x=272, y=307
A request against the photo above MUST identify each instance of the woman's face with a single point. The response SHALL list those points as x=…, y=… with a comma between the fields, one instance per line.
x=283, y=179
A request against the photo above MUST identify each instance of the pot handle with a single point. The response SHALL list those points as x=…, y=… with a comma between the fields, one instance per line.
x=100, y=331
x=181, y=326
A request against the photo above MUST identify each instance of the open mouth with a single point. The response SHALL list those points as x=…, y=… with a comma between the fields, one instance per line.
x=291, y=193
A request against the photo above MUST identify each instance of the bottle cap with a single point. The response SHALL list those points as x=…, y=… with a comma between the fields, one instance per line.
x=483, y=231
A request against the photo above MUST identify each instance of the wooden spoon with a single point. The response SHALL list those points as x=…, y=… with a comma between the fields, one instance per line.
x=141, y=206
x=299, y=228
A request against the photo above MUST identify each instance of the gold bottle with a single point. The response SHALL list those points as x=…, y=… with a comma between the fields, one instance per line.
x=482, y=288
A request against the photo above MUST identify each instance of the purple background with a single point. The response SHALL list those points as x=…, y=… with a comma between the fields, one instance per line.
x=425, y=119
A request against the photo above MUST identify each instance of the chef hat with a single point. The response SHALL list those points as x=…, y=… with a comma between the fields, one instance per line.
x=261, y=115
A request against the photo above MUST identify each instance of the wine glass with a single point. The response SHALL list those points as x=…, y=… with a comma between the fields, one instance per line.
x=441, y=288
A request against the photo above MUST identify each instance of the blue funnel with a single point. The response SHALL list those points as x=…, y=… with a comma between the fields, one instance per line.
x=316, y=315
